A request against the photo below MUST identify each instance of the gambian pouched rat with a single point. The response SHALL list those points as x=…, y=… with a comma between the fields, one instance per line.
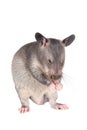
x=37, y=71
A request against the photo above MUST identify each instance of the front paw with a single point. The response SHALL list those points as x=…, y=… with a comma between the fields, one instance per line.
x=56, y=86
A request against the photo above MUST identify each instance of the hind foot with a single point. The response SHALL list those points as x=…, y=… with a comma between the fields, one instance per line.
x=60, y=106
x=24, y=109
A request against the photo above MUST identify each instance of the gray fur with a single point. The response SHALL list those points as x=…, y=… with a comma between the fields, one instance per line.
x=35, y=66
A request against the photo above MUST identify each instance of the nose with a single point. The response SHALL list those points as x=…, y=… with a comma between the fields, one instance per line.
x=56, y=77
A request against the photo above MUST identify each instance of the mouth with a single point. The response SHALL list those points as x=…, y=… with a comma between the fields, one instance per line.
x=55, y=78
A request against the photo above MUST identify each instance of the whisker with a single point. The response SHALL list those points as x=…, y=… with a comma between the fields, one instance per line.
x=67, y=80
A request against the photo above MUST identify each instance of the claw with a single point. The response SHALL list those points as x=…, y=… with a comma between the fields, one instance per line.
x=60, y=106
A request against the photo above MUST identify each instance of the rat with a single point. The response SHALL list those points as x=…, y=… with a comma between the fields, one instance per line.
x=37, y=71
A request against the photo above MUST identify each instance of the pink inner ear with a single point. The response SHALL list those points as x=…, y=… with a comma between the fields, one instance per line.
x=44, y=42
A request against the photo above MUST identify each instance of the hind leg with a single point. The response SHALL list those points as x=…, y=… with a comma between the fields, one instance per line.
x=54, y=104
x=24, y=98
x=58, y=106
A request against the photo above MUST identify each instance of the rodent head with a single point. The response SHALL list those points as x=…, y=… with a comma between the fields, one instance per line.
x=51, y=55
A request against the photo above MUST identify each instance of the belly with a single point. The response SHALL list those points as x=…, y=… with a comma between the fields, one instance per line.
x=39, y=99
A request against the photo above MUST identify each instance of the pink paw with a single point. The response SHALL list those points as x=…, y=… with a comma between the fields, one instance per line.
x=60, y=106
x=58, y=86
x=24, y=109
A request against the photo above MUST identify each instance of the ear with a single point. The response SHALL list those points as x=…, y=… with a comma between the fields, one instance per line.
x=40, y=37
x=67, y=41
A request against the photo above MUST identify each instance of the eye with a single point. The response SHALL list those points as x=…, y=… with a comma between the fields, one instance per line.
x=49, y=61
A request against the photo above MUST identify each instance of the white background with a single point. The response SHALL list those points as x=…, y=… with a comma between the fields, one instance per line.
x=19, y=20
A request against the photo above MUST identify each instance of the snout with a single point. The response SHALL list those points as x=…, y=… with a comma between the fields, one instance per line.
x=56, y=74
x=55, y=77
